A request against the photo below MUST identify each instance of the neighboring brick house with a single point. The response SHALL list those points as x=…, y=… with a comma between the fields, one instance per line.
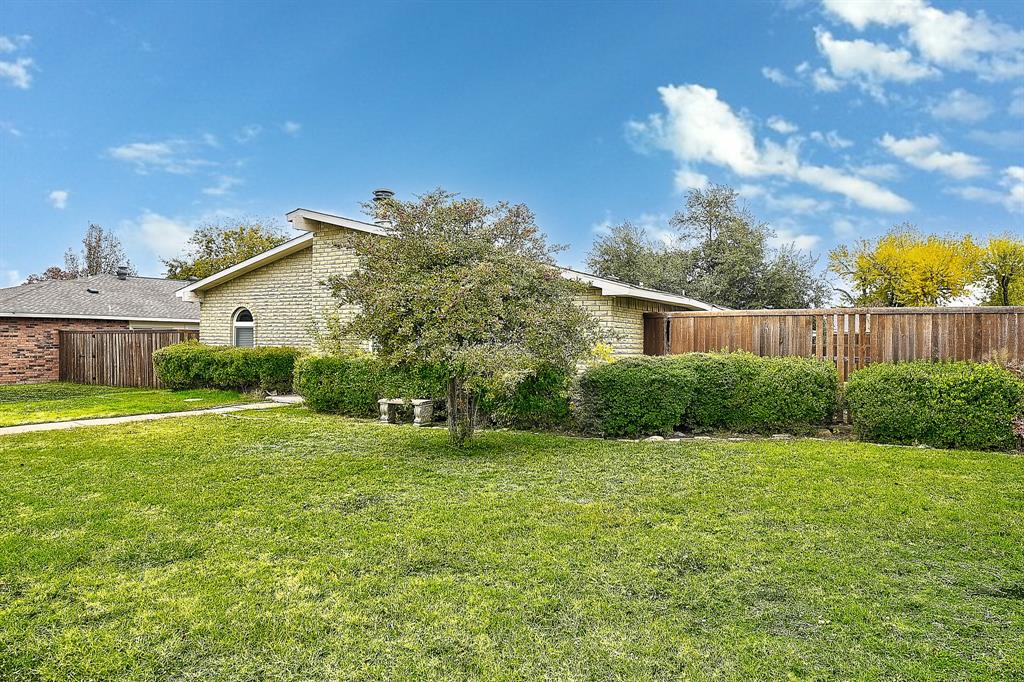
x=31, y=315
x=277, y=297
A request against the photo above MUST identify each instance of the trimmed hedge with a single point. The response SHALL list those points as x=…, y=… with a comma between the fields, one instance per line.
x=193, y=365
x=703, y=391
x=352, y=384
x=944, y=404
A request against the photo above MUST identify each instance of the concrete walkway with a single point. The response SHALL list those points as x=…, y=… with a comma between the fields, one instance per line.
x=104, y=421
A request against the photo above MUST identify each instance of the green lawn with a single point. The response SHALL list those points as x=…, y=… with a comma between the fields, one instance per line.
x=296, y=546
x=57, y=402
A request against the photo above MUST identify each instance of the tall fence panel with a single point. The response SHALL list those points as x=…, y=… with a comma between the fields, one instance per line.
x=850, y=338
x=115, y=358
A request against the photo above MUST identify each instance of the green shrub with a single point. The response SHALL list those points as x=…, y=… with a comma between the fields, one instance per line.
x=635, y=396
x=352, y=384
x=194, y=365
x=703, y=391
x=539, y=402
x=946, y=404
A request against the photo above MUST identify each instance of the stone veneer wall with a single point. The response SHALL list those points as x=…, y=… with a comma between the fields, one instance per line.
x=289, y=295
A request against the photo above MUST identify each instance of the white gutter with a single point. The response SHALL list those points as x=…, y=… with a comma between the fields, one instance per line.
x=60, y=316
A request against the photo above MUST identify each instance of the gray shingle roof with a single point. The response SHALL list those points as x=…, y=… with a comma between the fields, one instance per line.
x=134, y=298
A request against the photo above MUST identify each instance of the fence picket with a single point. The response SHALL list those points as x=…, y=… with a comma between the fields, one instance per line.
x=849, y=338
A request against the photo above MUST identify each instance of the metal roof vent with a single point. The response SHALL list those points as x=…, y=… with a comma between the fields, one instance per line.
x=93, y=291
x=381, y=195
x=122, y=272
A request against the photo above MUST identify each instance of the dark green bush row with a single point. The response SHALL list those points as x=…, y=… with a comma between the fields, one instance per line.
x=193, y=365
x=352, y=384
x=702, y=391
x=945, y=404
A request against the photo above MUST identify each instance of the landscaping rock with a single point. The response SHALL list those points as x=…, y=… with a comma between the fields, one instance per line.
x=702, y=437
x=781, y=436
x=824, y=433
x=653, y=439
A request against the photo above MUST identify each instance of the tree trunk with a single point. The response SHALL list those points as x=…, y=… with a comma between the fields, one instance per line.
x=462, y=408
x=1004, y=288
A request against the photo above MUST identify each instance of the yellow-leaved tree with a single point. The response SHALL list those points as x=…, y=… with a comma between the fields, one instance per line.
x=1002, y=270
x=907, y=268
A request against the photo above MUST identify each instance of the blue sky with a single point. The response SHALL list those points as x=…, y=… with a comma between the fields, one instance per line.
x=835, y=120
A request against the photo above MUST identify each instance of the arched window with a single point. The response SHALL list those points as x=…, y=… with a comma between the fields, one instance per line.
x=242, y=328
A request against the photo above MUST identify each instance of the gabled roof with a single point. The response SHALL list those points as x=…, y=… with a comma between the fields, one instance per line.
x=307, y=220
x=99, y=297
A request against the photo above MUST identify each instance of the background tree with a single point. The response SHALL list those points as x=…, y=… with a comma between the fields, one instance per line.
x=906, y=268
x=101, y=254
x=1001, y=268
x=720, y=253
x=467, y=289
x=215, y=246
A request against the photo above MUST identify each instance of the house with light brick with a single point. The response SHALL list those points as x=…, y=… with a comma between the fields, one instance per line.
x=281, y=296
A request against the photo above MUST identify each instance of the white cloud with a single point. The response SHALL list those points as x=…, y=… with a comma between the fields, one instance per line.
x=10, y=129
x=171, y=156
x=787, y=236
x=224, y=185
x=10, y=44
x=878, y=171
x=777, y=76
x=952, y=40
x=1011, y=197
x=1013, y=181
x=870, y=64
x=687, y=179
x=784, y=203
x=1016, y=107
x=960, y=105
x=781, y=125
x=12, y=278
x=291, y=128
x=823, y=82
x=18, y=72
x=1000, y=139
x=249, y=133
x=832, y=138
x=59, y=198
x=700, y=128
x=924, y=152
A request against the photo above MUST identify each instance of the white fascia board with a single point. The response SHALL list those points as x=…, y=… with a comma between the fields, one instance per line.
x=302, y=219
x=610, y=287
x=126, y=318
x=189, y=293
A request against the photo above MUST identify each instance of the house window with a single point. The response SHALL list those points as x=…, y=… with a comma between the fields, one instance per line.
x=242, y=325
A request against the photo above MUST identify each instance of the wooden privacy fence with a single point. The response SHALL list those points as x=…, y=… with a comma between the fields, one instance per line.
x=115, y=358
x=850, y=338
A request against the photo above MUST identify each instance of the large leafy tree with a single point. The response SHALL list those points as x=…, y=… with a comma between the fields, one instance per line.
x=1001, y=268
x=467, y=289
x=215, y=246
x=718, y=252
x=906, y=268
x=101, y=254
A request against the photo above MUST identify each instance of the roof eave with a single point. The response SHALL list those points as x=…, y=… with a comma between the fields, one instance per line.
x=76, y=316
x=610, y=287
x=189, y=293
